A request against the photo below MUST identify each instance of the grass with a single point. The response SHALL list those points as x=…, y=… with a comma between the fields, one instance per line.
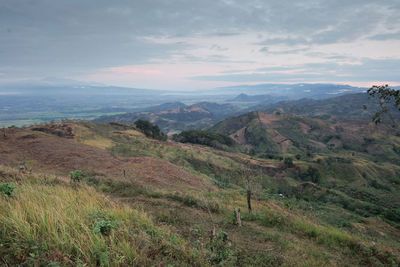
x=331, y=223
x=49, y=221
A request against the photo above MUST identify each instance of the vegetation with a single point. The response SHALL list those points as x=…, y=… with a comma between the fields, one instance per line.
x=332, y=207
x=288, y=163
x=76, y=176
x=150, y=130
x=387, y=98
x=208, y=138
x=175, y=117
x=7, y=189
x=50, y=223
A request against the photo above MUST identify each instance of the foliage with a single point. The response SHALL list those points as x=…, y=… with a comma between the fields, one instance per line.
x=387, y=97
x=7, y=189
x=288, y=163
x=204, y=137
x=150, y=130
x=76, y=176
x=257, y=136
x=312, y=174
x=104, y=227
x=220, y=248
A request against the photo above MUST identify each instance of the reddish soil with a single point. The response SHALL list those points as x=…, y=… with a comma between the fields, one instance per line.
x=60, y=155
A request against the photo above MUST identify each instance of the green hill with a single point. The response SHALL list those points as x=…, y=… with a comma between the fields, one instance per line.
x=145, y=202
x=350, y=106
x=285, y=133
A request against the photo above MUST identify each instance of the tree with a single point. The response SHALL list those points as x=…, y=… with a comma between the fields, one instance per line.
x=312, y=174
x=150, y=130
x=388, y=98
x=288, y=163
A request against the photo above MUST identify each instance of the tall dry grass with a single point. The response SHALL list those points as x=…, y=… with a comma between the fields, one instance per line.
x=47, y=220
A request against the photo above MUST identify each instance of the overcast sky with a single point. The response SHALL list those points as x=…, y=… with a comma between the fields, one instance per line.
x=169, y=44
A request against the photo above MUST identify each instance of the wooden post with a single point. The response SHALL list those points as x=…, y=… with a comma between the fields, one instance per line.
x=124, y=173
x=212, y=233
x=4, y=132
x=238, y=220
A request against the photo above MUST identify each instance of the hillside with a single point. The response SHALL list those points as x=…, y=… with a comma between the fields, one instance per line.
x=147, y=202
x=349, y=106
x=284, y=133
x=175, y=117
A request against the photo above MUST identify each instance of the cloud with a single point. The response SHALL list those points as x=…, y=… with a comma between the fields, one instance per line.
x=75, y=38
x=381, y=70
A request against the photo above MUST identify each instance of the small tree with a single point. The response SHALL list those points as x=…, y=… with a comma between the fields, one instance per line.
x=388, y=97
x=246, y=174
x=313, y=174
x=150, y=130
x=288, y=163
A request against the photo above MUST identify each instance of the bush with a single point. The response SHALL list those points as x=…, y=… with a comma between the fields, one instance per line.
x=150, y=130
x=220, y=248
x=7, y=189
x=311, y=174
x=288, y=163
x=76, y=176
x=104, y=226
x=207, y=138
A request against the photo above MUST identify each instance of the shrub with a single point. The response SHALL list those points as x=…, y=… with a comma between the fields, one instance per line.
x=104, y=227
x=312, y=174
x=7, y=189
x=288, y=163
x=220, y=248
x=207, y=138
x=76, y=176
x=150, y=130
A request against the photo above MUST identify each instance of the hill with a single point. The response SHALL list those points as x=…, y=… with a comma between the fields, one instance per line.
x=349, y=106
x=175, y=117
x=142, y=201
x=285, y=133
x=292, y=91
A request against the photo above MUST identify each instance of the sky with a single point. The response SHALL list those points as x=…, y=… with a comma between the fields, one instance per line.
x=192, y=44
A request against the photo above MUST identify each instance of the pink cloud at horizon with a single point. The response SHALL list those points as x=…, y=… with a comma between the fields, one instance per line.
x=177, y=77
x=131, y=69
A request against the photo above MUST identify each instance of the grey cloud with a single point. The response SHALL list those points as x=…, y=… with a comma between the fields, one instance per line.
x=386, y=36
x=75, y=36
x=383, y=70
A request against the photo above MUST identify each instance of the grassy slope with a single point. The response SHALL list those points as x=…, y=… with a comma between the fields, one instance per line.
x=289, y=231
x=50, y=221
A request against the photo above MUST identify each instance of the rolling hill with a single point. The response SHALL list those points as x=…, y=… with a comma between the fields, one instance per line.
x=284, y=133
x=350, y=106
x=292, y=91
x=175, y=117
x=140, y=201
